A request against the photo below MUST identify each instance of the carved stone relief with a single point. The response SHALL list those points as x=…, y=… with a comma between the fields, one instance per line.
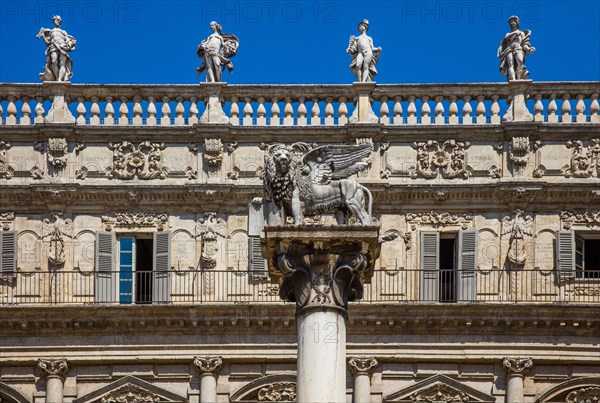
x=438, y=220
x=585, y=162
x=54, y=367
x=142, y=162
x=518, y=227
x=213, y=152
x=56, y=229
x=131, y=220
x=208, y=365
x=589, y=218
x=447, y=160
x=517, y=365
x=130, y=394
x=57, y=153
x=278, y=392
x=439, y=393
x=584, y=395
x=6, y=220
x=6, y=171
x=519, y=153
x=209, y=228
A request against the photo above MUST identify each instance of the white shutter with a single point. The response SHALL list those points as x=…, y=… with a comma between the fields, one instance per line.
x=106, y=275
x=467, y=265
x=257, y=264
x=430, y=258
x=8, y=253
x=161, y=287
x=565, y=253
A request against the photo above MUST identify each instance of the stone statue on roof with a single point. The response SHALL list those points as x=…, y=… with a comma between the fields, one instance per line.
x=364, y=54
x=59, y=66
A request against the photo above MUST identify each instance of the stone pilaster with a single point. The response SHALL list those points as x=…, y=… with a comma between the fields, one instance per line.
x=363, y=113
x=209, y=371
x=362, y=369
x=515, y=371
x=59, y=111
x=517, y=97
x=214, y=111
x=54, y=371
x=321, y=269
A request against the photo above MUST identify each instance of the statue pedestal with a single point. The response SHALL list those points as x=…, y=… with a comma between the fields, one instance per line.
x=363, y=113
x=321, y=268
x=214, y=111
x=517, y=111
x=59, y=111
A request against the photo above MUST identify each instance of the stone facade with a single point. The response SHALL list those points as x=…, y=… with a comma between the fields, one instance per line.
x=131, y=251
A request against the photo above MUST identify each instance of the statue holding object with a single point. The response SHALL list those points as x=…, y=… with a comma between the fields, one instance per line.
x=215, y=52
x=59, y=66
x=301, y=180
x=364, y=54
x=513, y=49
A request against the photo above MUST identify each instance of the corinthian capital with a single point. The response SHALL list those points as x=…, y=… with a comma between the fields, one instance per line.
x=517, y=366
x=362, y=366
x=208, y=365
x=54, y=367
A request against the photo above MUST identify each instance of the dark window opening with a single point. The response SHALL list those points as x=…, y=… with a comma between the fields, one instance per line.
x=587, y=258
x=447, y=284
x=143, y=271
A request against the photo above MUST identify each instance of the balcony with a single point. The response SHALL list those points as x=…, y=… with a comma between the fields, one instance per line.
x=219, y=287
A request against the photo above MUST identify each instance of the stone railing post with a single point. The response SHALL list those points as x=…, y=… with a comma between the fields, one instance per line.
x=518, y=91
x=59, y=111
x=321, y=269
x=209, y=371
x=515, y=370
x=55, y=371
x=362, y=369
x=363, y=113
x=213, y=113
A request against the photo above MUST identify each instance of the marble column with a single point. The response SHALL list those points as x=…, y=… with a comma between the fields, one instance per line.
x=209, y=371
x=362, y=369
x=321, y=269
x=55, y=371
x=515, y=370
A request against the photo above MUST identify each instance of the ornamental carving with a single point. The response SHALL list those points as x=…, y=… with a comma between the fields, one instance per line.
x=519, y=153
x=136, y=220
x=584, y=395
x=213, y=152
x=585, y=162
x=590, y=218
x=209, y=228
x=517, y=365
x=130, y=394
x=278, y=392
x=362, y=366
x=439, y=392
x=447, y=160
x=208, y=365
x=518, y=227
x=56, y=229
x=54, y=367
x=142, y=162
x=6, y=172
x=57, y=152
x=437, y=220
x=6, y=219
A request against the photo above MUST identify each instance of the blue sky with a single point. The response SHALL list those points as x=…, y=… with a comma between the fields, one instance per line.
x=299, y=41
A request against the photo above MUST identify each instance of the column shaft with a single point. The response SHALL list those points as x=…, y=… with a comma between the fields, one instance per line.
x=514, y=388
x=362, y=388
x=54, y=389
x=208, y=388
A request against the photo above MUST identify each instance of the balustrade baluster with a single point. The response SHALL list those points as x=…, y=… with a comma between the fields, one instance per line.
x=552, y=108
x=95, y=112
x=179, y=112
x=398, y=111
x=594, y=108
x=261, y=112
x=248, y=111
x=234, y=111
x=538, y=108
x=39, y=110
x=580, y=109
x=25, y=113
x=412, y=111
x=137, y=111
x=193, y=119
x=566, y=109
x=151, y=119
x=288, y=112
x=81, y=111
x=467, y=110
x=453, y=111
x=1, y=113
x=495, y=110
x=425, y=111
x=123, y=113
x=439, y=110
x=315, y=112
x=109, y=112
x=302, y=121
x=11, y=110
x=342, y=112
x=480, y=111
x=384, y=111
x=165, y=112
x=275, y=112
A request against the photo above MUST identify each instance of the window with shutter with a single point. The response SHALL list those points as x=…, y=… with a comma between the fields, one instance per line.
x=256, y=263
x=565, y=253
x=429, y=289
x=106, y=277
x=8, y=253
x=467, y=266
x=161, y=289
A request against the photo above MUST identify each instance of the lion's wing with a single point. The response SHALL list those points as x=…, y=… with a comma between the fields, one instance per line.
x=332, y=162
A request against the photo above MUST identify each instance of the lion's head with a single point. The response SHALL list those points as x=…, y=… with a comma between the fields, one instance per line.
x=282, y=158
